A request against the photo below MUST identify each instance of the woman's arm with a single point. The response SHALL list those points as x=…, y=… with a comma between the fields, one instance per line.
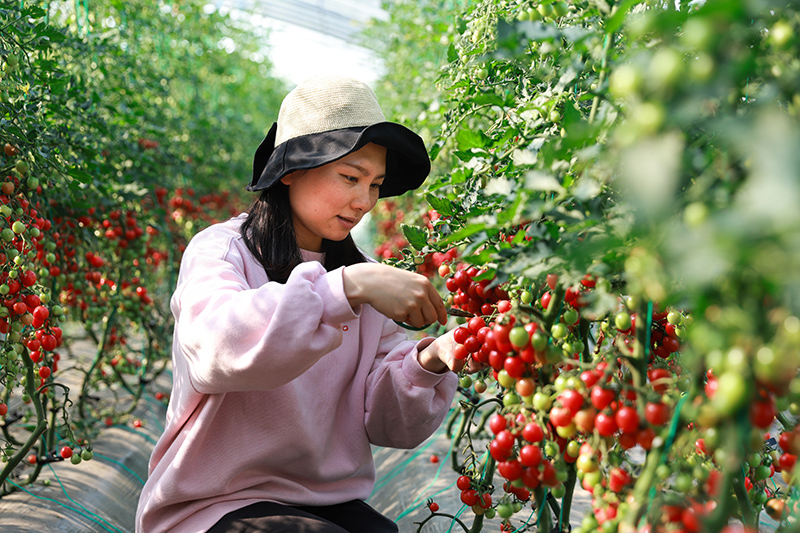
x=238, y=337
x=398, y=294
x=405, y=403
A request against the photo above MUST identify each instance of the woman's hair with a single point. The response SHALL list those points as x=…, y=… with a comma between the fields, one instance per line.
x=268, y=232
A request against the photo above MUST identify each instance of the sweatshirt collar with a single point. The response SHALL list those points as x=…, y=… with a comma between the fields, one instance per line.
x=312, y=256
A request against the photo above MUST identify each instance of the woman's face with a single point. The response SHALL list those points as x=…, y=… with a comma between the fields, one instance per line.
x=327, y=202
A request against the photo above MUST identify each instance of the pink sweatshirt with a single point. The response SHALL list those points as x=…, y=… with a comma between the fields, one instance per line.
x=278, y=390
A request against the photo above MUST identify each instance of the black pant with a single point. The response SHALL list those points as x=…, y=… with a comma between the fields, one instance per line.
x=350, y=517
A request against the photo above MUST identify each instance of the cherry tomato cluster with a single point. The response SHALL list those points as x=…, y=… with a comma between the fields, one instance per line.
x=476, y=497
x=563, y=408
x=29, y=317
x=472, y=292
x=99, y=265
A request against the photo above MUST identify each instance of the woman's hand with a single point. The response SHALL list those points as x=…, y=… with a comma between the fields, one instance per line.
x=398, y=294
x=438, y=356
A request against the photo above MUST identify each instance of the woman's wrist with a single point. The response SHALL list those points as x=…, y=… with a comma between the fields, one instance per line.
x=353, y=290
x=429, y=359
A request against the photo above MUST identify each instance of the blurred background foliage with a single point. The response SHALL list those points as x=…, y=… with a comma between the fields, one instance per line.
x=127, y=127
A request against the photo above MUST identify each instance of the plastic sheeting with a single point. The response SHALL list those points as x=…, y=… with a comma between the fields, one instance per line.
x=101, y=495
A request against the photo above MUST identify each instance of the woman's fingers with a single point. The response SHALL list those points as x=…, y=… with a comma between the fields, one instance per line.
x=398, y=294
x=438, y=305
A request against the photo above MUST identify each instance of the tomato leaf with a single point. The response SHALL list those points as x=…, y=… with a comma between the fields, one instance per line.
x=452, y=54
x=57, y=85
x=507, y=215
x=471, y=139
x=435, y=149
x=442, y=205
x=34, y=12
x=416, y=236
x=615, y=21
x=80, y=175
x=463, y=233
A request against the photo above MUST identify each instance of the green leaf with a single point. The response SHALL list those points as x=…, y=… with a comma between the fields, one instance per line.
x=452, y=54
x=442, y=205
x=463, y=155
x=615, y=21
x=479, y=258
x=485, y=98
x=58, y=85
x=435, y=149
x=80, y=175
x=471, y=139
x=13, y=130
x=507, y=215
x=34, y=12
x=463, y=233
x=416, y=236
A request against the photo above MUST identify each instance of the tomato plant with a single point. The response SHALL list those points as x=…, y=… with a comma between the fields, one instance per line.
x=105, y=173
x=623, y=172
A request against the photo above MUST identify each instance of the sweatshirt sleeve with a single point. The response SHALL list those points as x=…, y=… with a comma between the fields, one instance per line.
x=405, y=403
x=238, y=338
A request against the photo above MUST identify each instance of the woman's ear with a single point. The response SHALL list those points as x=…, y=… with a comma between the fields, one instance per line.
x=291, y=176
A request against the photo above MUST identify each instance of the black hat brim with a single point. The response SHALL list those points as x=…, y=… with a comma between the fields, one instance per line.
x=407, y=161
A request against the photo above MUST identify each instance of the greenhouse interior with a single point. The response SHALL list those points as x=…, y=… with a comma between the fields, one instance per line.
x=547, y=278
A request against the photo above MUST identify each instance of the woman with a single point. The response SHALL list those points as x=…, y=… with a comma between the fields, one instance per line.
x=288, y=363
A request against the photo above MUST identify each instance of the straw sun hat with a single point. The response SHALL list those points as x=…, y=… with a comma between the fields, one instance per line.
x=328, y=117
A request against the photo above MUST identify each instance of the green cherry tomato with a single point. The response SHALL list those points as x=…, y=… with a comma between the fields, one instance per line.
x=781, y=34
x=762, y=473
x=586, y=463
x=541, y=401
x=589, y=523
x=505, y=380
x=18, y=226
x=622, y=321
x=570, y=316
x=511, y=398
x=700, y=473
x=675, y=318
x=593, y=479
x=526, y=297
x=732, y=393
x=683, y=483
x=558, y=331
x=505, y=510
x=538, y=341
x=573, y=448
x=545, y=10
x=560, y=9
x=518, y=337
